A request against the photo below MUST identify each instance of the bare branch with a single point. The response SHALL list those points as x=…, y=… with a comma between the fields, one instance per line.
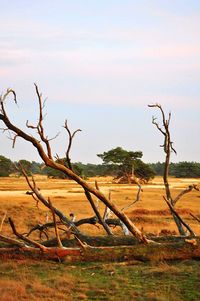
x=100, y=219
x=14, y=140
x=83, y=245
x=135, y=201
x=157, y=125
x=3, y=220
x=153, y=105
x=97, y=185
x=51, y=163
x=9, y=91
x=42, y=228
x=169, y=118
x=195, y=217
x=53, y=138
x=30, y=126
x=4, y=130
x=26, y=239
x=45, y=202
x=70, y=136
x=182, y=193
x=55, y=225
x=167, y=146
x=172, y=148
x=178, y=216
x=107, y=211
x=40, y=127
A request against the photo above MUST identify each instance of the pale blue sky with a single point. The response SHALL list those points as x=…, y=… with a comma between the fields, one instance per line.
x=100, y=63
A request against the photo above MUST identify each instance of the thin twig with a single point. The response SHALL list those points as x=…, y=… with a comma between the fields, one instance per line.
x=136, y=200
x=40, y=127
x=71, y=136
x=51, y=163
x=195, y=217
x=83, y=245
x=182, y=193
x=3, y=220
x=55, y=225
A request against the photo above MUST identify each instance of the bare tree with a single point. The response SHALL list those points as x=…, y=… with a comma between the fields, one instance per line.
x=44, y=150
x=168, y=149
x=128, y=248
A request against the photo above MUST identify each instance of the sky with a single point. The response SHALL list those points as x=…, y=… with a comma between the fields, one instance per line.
x=99, y=64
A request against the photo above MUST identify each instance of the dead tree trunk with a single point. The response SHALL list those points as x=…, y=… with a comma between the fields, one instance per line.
x=168, y=148
x=184, y=249
x=47, y=158
x=130, y=248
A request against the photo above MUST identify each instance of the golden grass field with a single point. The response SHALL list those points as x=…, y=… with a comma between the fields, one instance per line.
x=150, y=213
x=50, y=281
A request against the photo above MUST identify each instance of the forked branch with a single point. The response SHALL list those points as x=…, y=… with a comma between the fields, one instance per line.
x=47, y=158
x=26, y=239
x=38, y=196
x=71, y=136
x=168, y=148
x=183, y=192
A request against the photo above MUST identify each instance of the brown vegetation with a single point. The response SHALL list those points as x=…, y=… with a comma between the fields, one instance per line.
x=67, y=196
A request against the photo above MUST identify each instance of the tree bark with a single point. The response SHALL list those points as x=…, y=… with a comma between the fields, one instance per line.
x=184, y=249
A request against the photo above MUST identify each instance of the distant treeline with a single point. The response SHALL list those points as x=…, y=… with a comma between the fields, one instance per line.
x=182, y=169
x=179, y=170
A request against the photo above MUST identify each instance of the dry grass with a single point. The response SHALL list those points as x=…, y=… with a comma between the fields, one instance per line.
x=150, y=213
x=20, y=281
x=45, y=281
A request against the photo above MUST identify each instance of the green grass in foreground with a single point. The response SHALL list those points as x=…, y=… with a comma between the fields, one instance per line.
x=31, y=280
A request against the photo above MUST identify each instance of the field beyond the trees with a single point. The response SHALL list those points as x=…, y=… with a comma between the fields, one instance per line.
x=151, y=212
x=31, y=280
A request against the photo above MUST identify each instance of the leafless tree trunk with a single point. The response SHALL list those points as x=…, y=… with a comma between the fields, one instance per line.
x=124, y=248
x=44, y=150
x=168, y=148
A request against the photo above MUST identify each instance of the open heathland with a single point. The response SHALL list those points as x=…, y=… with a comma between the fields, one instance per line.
x=31, y=280
x=150, y=213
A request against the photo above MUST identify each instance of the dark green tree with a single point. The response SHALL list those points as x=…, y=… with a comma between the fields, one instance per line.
x=186, y=170
x=119, y=156
x=127, y=164
x=158, y=168
x=6, y=166
x=93, y=170
x=143, y=170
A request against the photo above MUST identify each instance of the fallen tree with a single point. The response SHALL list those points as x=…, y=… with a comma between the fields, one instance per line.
x=178, y=250
x=143, y=248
